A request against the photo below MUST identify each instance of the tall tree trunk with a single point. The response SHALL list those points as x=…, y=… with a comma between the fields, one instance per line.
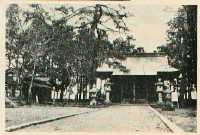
x=31, y=84
x=77, y=83
x=69, y=96
x=81, y=88
x=17, y=72
x=85, y=89
x=96, y=19
x=21, y=80
x=61, y=96
x=62, y=93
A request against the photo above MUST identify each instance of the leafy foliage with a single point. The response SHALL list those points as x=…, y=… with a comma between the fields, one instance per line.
x=42, y=45
x=182, y=47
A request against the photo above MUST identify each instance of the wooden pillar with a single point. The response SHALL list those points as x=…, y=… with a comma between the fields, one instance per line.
x=101, y=84
x=147, y=87
x=121, y=86
x=36, y=100
x=134, y=92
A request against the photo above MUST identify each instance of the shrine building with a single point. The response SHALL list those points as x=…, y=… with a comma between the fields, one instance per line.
x=137, y=81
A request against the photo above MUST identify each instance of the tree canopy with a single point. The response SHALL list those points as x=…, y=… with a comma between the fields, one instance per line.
x=182, y=46
x=66, y=49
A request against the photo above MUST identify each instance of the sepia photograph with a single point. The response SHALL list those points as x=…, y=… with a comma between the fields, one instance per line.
x=100, y=67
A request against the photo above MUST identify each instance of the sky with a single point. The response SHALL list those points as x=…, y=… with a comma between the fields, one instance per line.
x=147, y=23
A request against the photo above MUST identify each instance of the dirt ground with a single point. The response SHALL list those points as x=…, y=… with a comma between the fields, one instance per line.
x=24, y=114
x=184, y=118
x=111, y=119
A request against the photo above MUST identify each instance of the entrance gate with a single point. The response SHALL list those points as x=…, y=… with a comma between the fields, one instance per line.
x=131, y=89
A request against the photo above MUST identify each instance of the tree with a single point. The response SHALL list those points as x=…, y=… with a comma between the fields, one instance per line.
x=97, y=13
x=40, y=44
x=182, y=46
x=15, y=43
x=92, y=36
x=37, y=42
x=62, y=55
x=183, y=42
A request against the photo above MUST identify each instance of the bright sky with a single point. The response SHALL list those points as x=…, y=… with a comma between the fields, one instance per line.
x=148, y=25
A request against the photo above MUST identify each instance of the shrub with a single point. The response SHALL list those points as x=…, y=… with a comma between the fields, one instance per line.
x=168, y=106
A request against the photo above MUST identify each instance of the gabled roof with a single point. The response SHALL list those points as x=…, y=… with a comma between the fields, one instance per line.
x=139, y=65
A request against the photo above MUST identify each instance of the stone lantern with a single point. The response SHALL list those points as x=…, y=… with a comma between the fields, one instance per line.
x=175, y=93
x=107, y=88
x=167, y=93
x=93, y=96
x=159, y=90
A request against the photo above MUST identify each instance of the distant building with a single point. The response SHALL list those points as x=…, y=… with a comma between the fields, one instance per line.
x=140, y=50
x=131, y=50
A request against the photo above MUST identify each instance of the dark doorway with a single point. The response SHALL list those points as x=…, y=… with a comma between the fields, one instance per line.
x=127, y=91
x=132, y=89
x=141, y=89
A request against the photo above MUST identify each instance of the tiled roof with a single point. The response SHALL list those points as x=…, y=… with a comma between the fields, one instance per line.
x=141, y=66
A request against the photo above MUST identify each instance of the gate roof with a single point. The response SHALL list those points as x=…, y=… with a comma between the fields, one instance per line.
x=139, y=65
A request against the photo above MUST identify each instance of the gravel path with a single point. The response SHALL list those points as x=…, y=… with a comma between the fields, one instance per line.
x=17, y=116
x=111, y=119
